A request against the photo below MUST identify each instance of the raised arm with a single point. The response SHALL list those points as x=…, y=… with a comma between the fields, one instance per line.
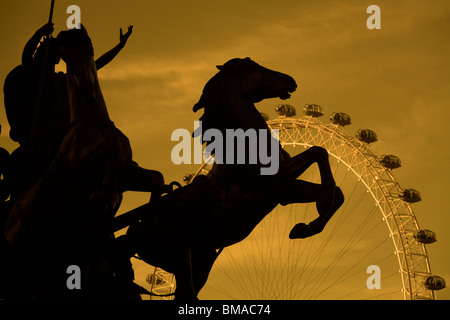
x=108, y=56
x=30, y=47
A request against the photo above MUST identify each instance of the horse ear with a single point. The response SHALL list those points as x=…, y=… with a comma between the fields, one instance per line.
x=83, y=28
x=200, y=104
x=197, y=107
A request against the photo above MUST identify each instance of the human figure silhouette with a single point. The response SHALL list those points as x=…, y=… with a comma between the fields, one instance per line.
x=40, y=133
x=39, y=143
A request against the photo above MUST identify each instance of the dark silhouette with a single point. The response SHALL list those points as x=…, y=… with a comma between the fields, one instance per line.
x=223, y=208
x=65, y=217
x=5, y=192
x=40, y=124
x=66, y=180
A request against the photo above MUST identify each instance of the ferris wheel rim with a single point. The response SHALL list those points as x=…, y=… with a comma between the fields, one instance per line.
x=402, y=248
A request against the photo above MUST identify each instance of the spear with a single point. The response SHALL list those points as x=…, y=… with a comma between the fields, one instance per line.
x=38, y=99
x=51, y=11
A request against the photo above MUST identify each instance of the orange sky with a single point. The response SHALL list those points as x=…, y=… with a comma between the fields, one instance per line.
x=394, y=81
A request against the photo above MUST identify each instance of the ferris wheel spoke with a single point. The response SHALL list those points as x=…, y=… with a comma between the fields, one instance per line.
x=354, y=265
x=372, y=297
x=360, y=271
x=234, y=273
x=297, y=273
x=353, y=239
x=272, y=258
x=327, y=240
x=286, y=262
x=255, y=270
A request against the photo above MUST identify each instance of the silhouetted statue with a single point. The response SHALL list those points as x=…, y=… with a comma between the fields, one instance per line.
x=40, y=133
x=65, y=218
x=5, y=191
x=222, y=208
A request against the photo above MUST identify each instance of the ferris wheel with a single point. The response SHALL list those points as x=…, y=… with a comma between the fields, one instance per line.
x=372, y=248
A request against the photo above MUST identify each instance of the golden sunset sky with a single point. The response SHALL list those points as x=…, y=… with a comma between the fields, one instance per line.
x=395, y=81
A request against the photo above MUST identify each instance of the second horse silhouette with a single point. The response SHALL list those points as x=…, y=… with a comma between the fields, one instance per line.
x=193, y=223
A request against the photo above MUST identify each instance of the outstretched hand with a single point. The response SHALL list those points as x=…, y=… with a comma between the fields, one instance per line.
x=124, y=37
x=111, y=54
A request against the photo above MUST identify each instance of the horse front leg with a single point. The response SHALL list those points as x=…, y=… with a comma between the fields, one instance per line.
x=298, y=164
x=326, y=195
x=299, y=191
x=316, y=226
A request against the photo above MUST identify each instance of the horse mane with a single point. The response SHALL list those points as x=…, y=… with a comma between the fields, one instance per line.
x=209, y=101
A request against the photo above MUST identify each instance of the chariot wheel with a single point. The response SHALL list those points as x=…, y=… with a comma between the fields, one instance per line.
x=372, y=248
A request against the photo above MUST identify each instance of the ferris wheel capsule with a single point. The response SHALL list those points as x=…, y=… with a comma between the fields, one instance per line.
x=313, y=110
x=340, y=118
x=285, y=110
x=188, y=177
x=154, y=279
x=434, y=283
x=366, y=135
x=410, y=195
x=390, y=161
x=425, y=236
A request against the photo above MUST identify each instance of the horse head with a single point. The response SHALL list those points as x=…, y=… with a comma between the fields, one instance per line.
x=229, y=97
x=252, y=81
x=257, y=82
x=78, y=54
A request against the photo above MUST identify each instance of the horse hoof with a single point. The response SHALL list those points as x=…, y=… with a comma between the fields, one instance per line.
x=301, y=231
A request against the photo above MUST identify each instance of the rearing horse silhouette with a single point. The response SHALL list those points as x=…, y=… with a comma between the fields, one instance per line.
x=66, y=217
x=223, y=208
